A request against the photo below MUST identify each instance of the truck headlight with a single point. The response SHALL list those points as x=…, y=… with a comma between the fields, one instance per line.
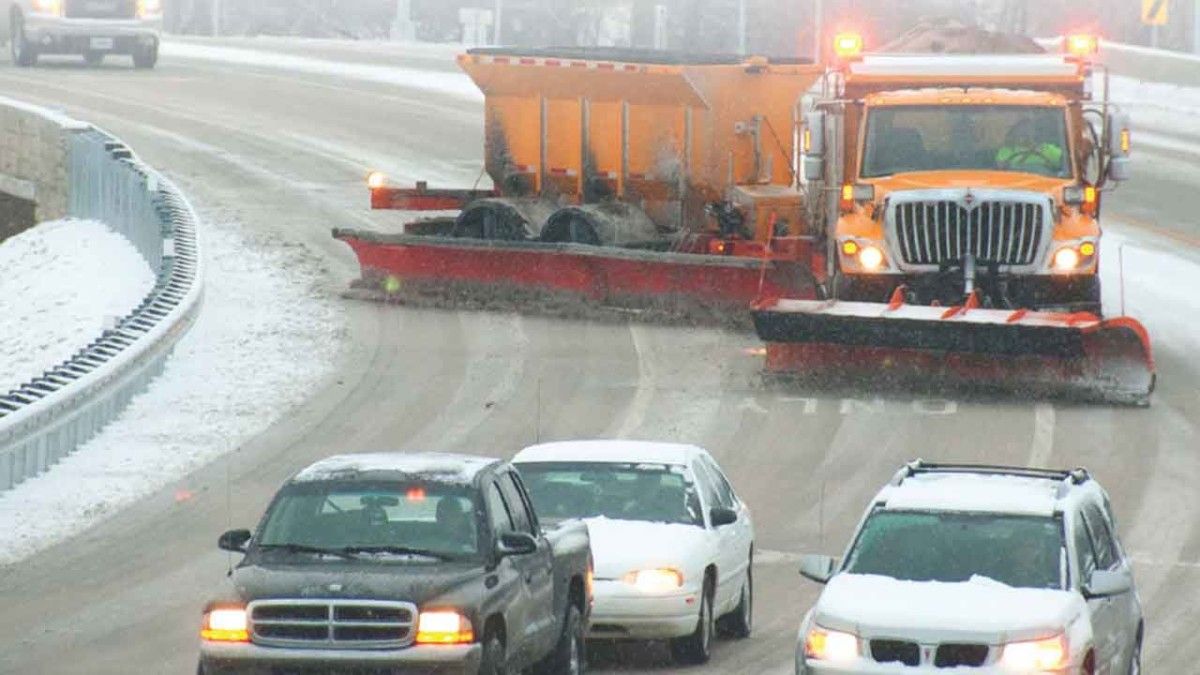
x=661, y=580
x=444, y=627
x=48, y=7
x=1072, y=256
x=1036, y=655
x=830, y=645
x=867, y=257
x=225, y=624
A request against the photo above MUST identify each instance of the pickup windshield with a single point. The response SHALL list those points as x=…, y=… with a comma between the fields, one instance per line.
x=418, y=519
x=646, y=492
x=1020, y=551
x=1028, y=139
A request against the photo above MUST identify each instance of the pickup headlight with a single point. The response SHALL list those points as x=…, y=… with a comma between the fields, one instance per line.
x=830, y=645
x=661, y=580
x=225, y=624
x=48, y=7
x=444, y=627
x=146, y=8
x=1036, y=655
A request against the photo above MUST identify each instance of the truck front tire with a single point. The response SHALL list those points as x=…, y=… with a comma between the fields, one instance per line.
x=24, y=55
x=145, y=57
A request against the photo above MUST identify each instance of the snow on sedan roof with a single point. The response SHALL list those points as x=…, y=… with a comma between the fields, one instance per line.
x=428, y=465
x=649, y=452
x=952, y=491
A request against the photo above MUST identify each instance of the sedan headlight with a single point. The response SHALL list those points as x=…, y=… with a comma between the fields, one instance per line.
x=1036, y=655
x=830, y=645
x=661, y=580
x=444, y=627
x=225, y=624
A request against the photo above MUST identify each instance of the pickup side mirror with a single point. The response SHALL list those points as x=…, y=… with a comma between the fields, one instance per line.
x=721, y=516
x=234, y=540
x=1105, y=583
x=516, y=543
x=818, y=568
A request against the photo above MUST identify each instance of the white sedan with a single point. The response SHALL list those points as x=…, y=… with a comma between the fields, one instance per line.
x=672, y=543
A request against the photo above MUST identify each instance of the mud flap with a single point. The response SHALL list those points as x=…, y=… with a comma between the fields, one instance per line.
x=1076, y=355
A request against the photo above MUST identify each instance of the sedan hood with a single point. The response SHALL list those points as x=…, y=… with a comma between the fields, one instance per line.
x=418, y=582
x=622, y=546
x=978, y=610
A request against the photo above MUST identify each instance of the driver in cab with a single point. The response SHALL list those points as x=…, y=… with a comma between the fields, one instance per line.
x=1026, y=150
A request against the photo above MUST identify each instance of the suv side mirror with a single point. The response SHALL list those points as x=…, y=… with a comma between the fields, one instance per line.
x=516, y=543
x=721, y=516
x=1105, y=583
x=818, y=568
x=234, y=540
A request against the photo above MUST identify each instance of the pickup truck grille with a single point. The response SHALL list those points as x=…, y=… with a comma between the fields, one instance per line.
x=1002, y=229
x=100, y=9
x=333, y=624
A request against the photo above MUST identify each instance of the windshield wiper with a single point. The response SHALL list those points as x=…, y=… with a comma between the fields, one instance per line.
x=304, y=548
x=395, y=550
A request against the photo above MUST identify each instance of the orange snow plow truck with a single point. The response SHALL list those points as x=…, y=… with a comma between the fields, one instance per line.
x=931, y=218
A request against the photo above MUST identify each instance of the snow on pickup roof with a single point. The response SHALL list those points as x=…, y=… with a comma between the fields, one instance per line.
x=428, y=465
x=608, y=451
x=973, y=492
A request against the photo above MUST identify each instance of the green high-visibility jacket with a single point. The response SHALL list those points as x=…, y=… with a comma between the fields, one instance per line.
x=1046, y=155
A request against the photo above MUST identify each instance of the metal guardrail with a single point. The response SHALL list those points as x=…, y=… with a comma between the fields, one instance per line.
x=49, y=417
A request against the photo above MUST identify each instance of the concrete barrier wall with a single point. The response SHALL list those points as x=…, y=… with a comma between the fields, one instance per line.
x=1154, y=65
x=34, y=165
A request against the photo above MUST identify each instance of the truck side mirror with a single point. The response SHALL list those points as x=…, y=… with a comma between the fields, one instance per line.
x=812, y=145
x=1120, y=141
x=818, y=568
x=234, y=540
x=1119, y=169
x=516, y=543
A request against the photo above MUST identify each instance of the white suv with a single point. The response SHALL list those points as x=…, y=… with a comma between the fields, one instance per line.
x=91, y=28
x=979, y=568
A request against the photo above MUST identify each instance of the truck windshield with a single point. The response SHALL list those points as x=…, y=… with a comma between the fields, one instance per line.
x=418, y=519
x=646, y=492
x=1028, y=139
x=1020, y=551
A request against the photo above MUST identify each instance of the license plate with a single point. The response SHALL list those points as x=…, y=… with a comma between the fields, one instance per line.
x=101, y=44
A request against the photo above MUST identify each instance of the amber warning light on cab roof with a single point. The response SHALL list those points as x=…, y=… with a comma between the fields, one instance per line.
x=1082, y=44
x=848, y=45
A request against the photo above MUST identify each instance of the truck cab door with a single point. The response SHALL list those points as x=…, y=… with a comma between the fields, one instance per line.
x=512, y=571
x=540, y=631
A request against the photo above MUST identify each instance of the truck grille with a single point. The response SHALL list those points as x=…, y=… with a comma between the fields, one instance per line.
x=1000, y=230
x=333, y=624
x=100, y=9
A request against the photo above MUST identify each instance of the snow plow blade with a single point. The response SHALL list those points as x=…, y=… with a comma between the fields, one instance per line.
x=566, y=279
x=1078, y=356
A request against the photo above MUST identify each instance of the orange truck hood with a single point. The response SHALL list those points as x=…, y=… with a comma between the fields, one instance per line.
x=983, y=180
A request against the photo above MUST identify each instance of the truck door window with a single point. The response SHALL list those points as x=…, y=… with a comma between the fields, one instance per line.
x=516, y=505
x=498, y=512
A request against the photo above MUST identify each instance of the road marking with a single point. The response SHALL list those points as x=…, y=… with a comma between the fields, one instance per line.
x=764, y=556
x=635, y=414
x=1043, y=435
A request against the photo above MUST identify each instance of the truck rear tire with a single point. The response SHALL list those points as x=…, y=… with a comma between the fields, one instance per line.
x=570, y=654
x=696, y=649
x=145, y=58
x=24, y=55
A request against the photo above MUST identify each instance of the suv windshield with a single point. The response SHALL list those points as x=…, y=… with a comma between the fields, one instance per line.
x=437, y=520
x=1028, y=139
x=1020, y=551
x=648, y=492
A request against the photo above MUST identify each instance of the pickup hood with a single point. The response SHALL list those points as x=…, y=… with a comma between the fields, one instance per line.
x=417, y=582
x=622, y=546
x=979, y=180
x=979, y=610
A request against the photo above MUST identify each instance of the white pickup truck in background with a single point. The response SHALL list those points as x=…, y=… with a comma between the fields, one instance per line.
x=91, y=28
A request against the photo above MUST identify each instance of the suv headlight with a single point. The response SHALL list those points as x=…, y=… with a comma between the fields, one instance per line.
x=1036, y=655
x=830, y=645
x=225, y=624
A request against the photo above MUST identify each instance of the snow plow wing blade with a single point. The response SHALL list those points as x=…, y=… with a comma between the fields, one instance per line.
x=565, y=279
x=1074, y=355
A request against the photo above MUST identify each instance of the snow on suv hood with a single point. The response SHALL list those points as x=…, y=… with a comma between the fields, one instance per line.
x=622, y=546
x=979, y=610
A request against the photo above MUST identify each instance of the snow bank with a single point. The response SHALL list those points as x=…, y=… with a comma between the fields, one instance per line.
x=1164, y=108
x=263, y=341
x=451, y=84
x=61, y=284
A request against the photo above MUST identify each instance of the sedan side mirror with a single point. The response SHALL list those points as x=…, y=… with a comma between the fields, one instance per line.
x=818, y=568
x=722, y=516
x=234, y=540
x=516, y=543
x=1105, y=583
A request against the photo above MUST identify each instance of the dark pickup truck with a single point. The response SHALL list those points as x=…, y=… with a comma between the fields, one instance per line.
x=401, y=563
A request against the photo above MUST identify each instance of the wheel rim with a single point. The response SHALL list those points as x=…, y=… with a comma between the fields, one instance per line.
x=575, y=662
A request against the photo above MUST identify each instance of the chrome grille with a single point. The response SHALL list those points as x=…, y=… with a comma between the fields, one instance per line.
x=334, y=624
x=100, y=9
x=1000, y=230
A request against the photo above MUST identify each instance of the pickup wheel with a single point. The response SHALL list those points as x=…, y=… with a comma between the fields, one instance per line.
x=740, y=622
x=24, y=55
x=696, y=648
x=494, y=661
x=570, y=654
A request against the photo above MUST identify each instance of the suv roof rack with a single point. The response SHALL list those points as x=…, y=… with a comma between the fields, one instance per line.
x=1076, y=476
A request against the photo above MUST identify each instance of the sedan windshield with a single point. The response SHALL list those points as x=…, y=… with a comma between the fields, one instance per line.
x=418, y=519
x=647, y=492
x=1028, y=139
x=1020, y=551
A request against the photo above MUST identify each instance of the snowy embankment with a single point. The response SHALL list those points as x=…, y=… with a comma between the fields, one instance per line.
x=1165, y=116
x=61, y=284
x=264, y=339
